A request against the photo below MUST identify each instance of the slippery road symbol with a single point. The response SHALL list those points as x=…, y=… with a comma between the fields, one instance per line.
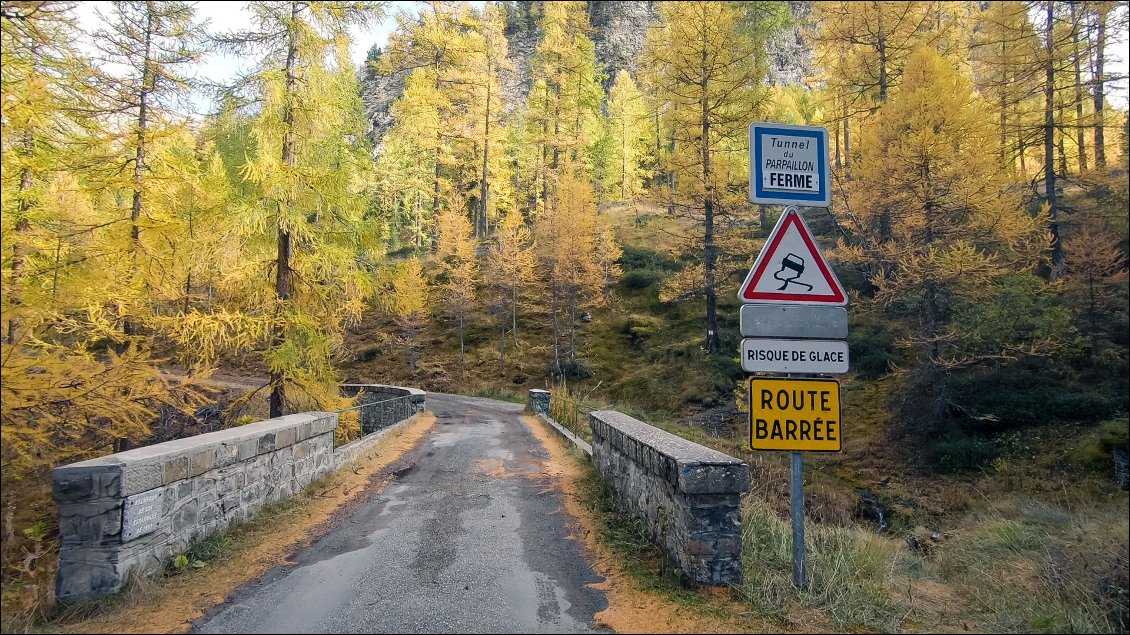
x=795, y=266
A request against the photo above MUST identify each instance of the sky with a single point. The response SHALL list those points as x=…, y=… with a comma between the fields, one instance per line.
x=225, y=15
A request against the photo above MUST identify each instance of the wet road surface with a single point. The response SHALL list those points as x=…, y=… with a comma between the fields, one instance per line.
x=468, y=537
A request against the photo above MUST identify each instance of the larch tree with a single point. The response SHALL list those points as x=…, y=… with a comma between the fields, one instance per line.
x=490, y=58
x=709, y=73
x=570, y=238
x=456, y=255
x=310, y=173
x=928, y=159
x=1053, y=60
x=1077, y=55
x=1005, y=54
x=864, y=45
x=569, y=100
x=411, y=153
x=155, y=42
x=435, y=49
x=1095, y=272
x=627, y=138
x=1100, y=15
x=508, y=270
x=402, y=294
x=41, y=75
x=65, y=395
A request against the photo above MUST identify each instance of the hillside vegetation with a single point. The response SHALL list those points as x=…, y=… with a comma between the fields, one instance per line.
x=554, y=195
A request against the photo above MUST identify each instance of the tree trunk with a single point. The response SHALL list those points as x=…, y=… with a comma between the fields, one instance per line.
x=623, y=159
x=514, y=314
x=502, y=347
x=1002, y=103
x=885, y=215
x=557, y=127
x=1100, y=45
x=839, y=161
x=187, y=292
x=481, y=226
x=1080, y=138
x=573, y=329
x=1049, y=141
x=713, y=341
x=435, y=176
x=940, y=397
x=1021, y=146
x=55, y=272
x=19, y=250
x=1092, y=313
x=1061, y=144
x=556, y=329
x=128, y=326
x=882, y=46
x=282, y=265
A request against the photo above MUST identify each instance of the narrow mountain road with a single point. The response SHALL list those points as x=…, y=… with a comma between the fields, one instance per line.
x=468, y=537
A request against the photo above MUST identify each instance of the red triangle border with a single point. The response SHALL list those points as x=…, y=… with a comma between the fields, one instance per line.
x=837, y=297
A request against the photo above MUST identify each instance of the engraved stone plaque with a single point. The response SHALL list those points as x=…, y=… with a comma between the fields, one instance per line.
x=141, y=514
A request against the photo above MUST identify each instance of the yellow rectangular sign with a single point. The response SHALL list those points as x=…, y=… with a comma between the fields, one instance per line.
x=794, y=415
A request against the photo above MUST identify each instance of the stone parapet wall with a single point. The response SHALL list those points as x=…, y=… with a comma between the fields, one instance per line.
x=688, y=494
x=394, y=409
x=133, y=511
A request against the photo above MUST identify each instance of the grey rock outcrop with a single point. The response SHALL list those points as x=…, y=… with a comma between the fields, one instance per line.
x=619, y=32
x=789, y=51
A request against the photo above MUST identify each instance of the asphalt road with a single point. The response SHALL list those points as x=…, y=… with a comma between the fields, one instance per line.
x=469, y=537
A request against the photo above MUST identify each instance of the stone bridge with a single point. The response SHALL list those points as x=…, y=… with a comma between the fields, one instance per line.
x=132, y=512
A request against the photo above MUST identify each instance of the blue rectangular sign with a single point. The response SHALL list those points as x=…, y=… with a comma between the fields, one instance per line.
x=788, y=165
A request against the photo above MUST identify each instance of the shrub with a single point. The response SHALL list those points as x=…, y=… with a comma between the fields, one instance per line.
x=1020, y=397
x=640, y=279
x=635, y=258
x=873, y=349
x=957, y=451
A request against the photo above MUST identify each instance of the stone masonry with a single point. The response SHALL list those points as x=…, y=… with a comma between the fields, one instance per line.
x=538, y=401
x=389, y=407
x=688, y=494
x=133, y=511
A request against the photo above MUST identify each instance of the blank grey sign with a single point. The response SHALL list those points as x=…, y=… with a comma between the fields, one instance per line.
x=794, y=320
x=141, y=514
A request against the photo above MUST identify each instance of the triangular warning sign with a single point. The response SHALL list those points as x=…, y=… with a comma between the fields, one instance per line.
x=792, y=269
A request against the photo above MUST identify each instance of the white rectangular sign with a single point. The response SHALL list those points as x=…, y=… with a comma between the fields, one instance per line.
x=788, y=165
x=818, y=357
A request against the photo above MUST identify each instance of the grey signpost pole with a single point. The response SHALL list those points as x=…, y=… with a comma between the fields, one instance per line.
x=796, y=477
x=796, y=485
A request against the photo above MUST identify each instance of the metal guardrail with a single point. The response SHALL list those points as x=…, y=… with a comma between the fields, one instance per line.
x=572, y=415
x=364, y=419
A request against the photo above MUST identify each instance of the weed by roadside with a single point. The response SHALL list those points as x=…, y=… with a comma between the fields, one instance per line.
x=849, y=569
x=629, y=537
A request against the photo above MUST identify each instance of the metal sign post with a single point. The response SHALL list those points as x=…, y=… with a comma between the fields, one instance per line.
x=793, y=317
x=796, y=481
